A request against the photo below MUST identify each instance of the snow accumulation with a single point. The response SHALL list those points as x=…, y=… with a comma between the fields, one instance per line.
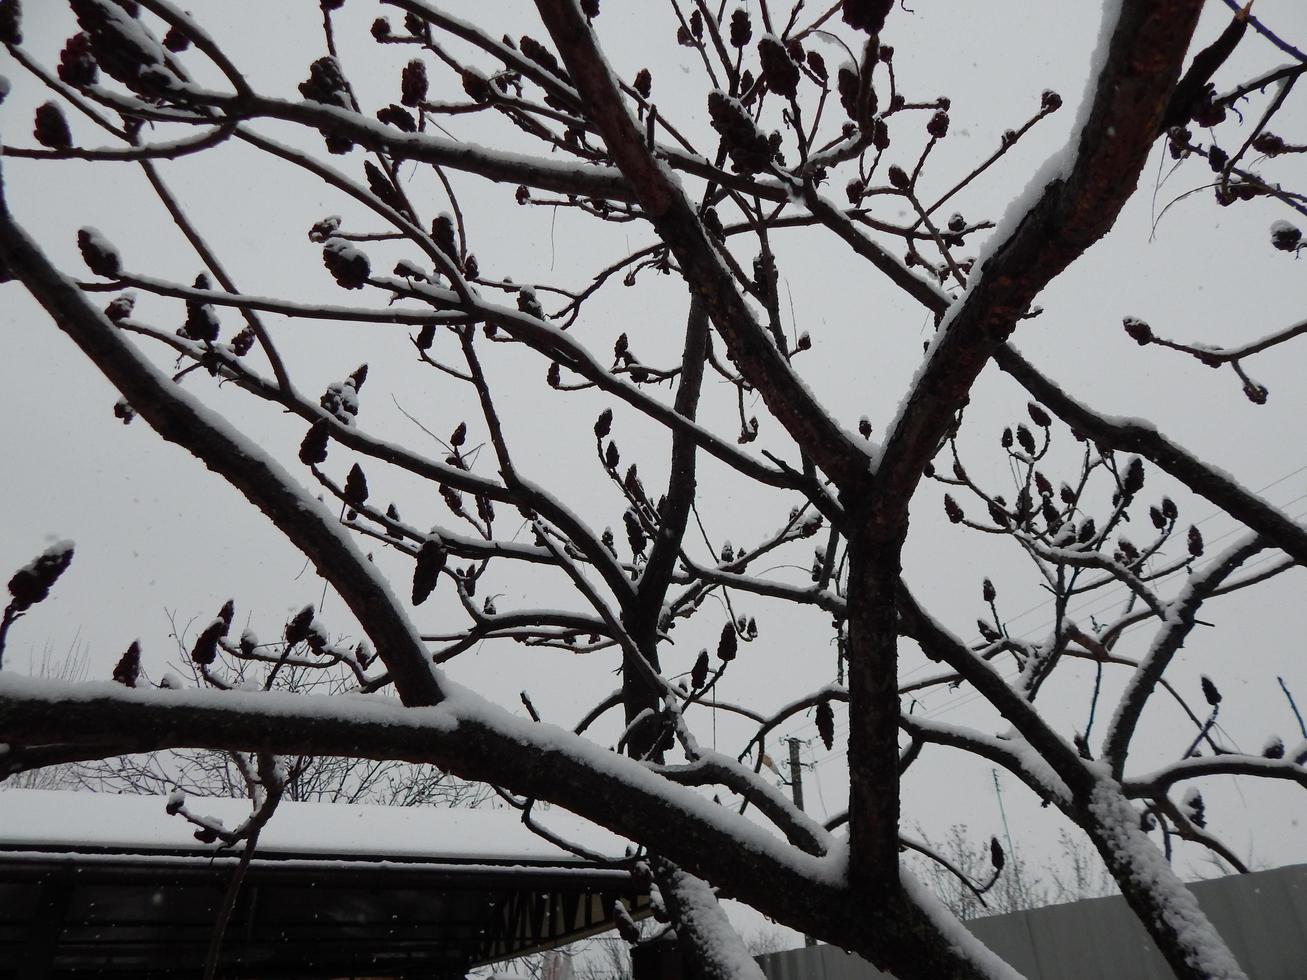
x=1178, y=909
x=956, y=934
x=141, y=824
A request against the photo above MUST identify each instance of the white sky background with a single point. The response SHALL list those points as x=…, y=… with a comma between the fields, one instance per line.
x=159, y=536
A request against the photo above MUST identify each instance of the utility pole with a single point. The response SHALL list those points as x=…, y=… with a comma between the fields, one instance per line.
x=796, y=773
x=796, y=787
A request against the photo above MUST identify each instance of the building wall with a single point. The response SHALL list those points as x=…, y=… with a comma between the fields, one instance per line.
x=1262, y=916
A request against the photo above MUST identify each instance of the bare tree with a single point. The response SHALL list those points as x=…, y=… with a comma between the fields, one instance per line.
x=715, y=183
x=311, y=778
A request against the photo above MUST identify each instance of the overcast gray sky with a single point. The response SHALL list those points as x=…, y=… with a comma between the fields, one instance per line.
x=161, y=540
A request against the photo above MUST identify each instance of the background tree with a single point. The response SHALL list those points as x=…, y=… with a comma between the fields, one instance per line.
x=303, y=669
x=720, y=177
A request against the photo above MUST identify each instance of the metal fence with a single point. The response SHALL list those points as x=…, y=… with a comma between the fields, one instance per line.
x=1262, y=916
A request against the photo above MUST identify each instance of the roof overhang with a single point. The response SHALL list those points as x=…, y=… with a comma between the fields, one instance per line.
x=96, y=901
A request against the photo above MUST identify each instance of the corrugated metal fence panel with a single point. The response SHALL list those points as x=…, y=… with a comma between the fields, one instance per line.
x=1262, y=916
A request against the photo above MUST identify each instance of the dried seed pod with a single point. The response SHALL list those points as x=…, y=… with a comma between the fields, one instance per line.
x=413, y=83
x=297, y=630
x=880, y=134
x=324, y=229
x=120, y=307
x=98, y=254
x=996, y=856
x=866, y=15
x=952, y=509
x=713, y=223
x=817, y=65
x=381, y=29
x=1026, y=440
x=987, y=631
x=1132, y=481
x=1194, y=807
x=938, y=125
x=741, y=28
x=846, y=84
x=1038, y=415
x=749, y=150
x=341, y=401
x=202, y=321
x=11, y=22
x=1088, y=531
x=128, y=669
x=998, y=511
x=825, y=719
x=1195, y=542
x=1274, y=748
x=430, y=563
x=635, y=536
x=356, y=486
x=459, y=435
x=604, y=424
x=426, y=336
x=1210, y=693
x=898, y=177
x=699, y=674
x=1138, y=330
x=442, y=233
x=1285, y=237
x=77, y=66
x=242, y=342
x=611, y=456
x=32, y=583
x=124, y=47
x=348, y=265
x=205, y=650
x=313, y=450
x=643, y=82
x=397, y=116
x=728, y=644
x=778, y=68
x=326, y=84
x=543, y=57
x=987, y=591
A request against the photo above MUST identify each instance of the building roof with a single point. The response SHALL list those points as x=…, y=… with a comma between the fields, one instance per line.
x=114, y=884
